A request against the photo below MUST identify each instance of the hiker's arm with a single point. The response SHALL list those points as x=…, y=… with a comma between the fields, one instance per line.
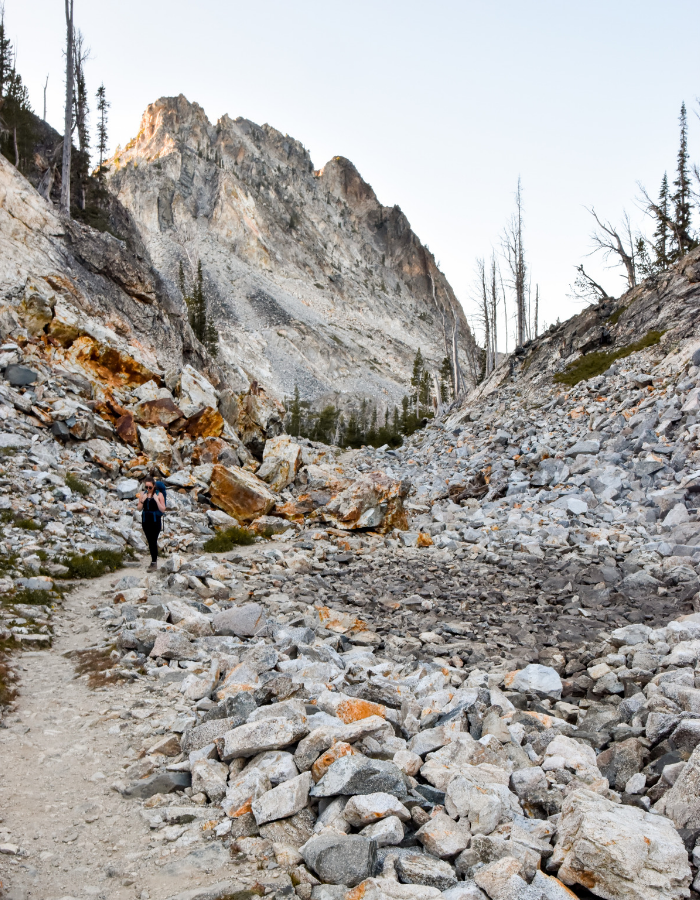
x=140, y=498
x=160, y=500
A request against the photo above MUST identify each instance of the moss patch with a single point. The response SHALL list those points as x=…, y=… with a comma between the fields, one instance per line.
x=593, y=364
x=228, y=539
x=97, y=664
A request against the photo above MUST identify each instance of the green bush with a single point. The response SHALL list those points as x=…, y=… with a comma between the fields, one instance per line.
x=593, y=364
x=42, y=598
x=28, y=524
x=228, y=539
x=92, y=565
x=76, y=485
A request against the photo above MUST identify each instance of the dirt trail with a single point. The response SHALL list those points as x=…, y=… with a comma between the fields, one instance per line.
x=63, y=748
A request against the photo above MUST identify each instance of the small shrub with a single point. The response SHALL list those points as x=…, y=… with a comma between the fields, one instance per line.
x=28, y=524
x=92, y=565
x=76, y=485
x=31, y=598
x=593, y=364
x=228, y=539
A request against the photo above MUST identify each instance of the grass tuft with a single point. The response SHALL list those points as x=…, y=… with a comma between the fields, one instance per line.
x=92, y=565
x=615, y=317
x=228, y=539
x=97, y=664
x=76, y=485
x=593, y=364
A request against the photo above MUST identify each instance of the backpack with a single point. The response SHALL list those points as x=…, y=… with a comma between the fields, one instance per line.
x=161, y=488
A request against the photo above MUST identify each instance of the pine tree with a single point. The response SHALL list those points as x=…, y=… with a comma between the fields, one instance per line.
x=16, y=124
x=424, y=392
x=6, y=54
x=102, y=106
x=661, y=233
x=446, y=387
x=295, y=411
x=681, y=197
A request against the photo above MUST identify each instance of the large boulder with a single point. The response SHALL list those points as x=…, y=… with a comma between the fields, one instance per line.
x=683, y=800
x=157, y=412
x=259, y=419
x=207, y=423
x=156, y=444
x=619, y=852
x=240, y=493
x=281, y=462
x=373, y=501
x=196, y=391
x=340, y=858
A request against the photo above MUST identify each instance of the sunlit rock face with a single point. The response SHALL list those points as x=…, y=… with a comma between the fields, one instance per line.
x=311, y=281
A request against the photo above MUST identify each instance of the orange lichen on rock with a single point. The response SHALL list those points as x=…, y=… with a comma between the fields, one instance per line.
x=352, y=710
x=326, y=760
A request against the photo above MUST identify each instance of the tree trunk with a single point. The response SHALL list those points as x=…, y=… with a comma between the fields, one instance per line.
x=68, y=122
x=16, y=148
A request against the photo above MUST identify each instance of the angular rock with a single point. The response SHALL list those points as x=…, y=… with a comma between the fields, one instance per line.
x=373, y=501
x=542, y=680
x=240, y=493
x=340, y=858
x=240, y=621
x=209, y=776
x=206, y=423
x=619, y=851
x=359, y=775
x=683, y=799
x=367, y=808
x=426, y=870
x=256, y=737
x=283, y=801
x=386, y=832
x=442, y=836
x=161, y=412
x=621, y=761
x=173, y=645
x=242, y=790
x=281, y=462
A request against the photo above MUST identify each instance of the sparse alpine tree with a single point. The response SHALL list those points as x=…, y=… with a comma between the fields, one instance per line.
x=103, y=105
x=608, y=241
x=295, y=413
x=6, y=54
x=662, y=232
x=68, y=120
x=682, y=240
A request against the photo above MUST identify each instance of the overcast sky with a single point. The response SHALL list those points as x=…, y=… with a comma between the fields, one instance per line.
x=441, y=105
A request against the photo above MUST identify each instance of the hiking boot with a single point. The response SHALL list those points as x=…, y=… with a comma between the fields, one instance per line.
x=153, y=565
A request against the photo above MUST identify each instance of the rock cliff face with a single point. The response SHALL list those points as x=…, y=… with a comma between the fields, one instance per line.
x=311, y=280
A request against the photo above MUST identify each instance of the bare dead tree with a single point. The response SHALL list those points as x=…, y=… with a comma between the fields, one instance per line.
x=608, y=241
x=493, y=302
x=537, y=310
x=515, y=257
x=46, y=84
x=68, y=121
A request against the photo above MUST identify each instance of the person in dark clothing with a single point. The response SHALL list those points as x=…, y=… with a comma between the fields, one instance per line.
x=151, y=506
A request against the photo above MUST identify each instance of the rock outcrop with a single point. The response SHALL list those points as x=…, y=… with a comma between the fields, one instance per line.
x=311, y=280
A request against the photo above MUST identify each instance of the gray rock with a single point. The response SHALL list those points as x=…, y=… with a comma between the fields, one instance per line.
x=283, y=801
x=426, y=870
x=387, y=832
x=364, y=809
x=467, y=890
x=127, y=489
x=542, y=680
x=256, y=737
x=161, y=783
x=683, y=799
x=240, y=621
x=19, y=376
x=443, y=837
x=584, y=447
x=686, y=737
x=198, y=737
x=359, y=775
x=621, y=761
x=339, y=858
x=173, y=645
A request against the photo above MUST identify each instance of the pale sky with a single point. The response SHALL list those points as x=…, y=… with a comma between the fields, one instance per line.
x=440, y=105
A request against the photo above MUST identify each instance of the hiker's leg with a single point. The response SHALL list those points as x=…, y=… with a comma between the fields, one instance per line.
x=151, y=532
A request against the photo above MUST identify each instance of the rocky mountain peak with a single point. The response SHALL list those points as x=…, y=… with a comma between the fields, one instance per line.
x=310, y=279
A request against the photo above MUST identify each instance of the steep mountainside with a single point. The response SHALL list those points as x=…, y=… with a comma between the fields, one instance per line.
x=312, y=281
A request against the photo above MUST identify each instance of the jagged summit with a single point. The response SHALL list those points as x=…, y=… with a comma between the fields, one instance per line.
x=311, y=280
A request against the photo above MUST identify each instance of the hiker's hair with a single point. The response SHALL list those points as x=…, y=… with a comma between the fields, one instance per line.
x=151, y=479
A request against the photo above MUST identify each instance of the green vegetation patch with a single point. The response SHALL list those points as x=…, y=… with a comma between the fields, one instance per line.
x=615, y=317
x=11, y=518
x=593, y=364
x=76, y=485
x=92, y=565
x=228, y=539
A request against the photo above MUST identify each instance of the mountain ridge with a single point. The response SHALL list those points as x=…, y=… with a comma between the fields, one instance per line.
x=311, y=281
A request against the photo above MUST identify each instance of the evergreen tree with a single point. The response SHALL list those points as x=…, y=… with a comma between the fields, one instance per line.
x=681, y=196
x=295, y=410
x=446, y=375
x=424, y=392
x=661, y=234
x=197, y=313
x=417, y=375
x=102, y=106
x=16, y=122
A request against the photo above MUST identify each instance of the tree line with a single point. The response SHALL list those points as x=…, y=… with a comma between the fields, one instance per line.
x=363, y=423
x=640, y=253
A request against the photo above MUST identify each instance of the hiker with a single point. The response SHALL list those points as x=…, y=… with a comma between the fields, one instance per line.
x=152, y=506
